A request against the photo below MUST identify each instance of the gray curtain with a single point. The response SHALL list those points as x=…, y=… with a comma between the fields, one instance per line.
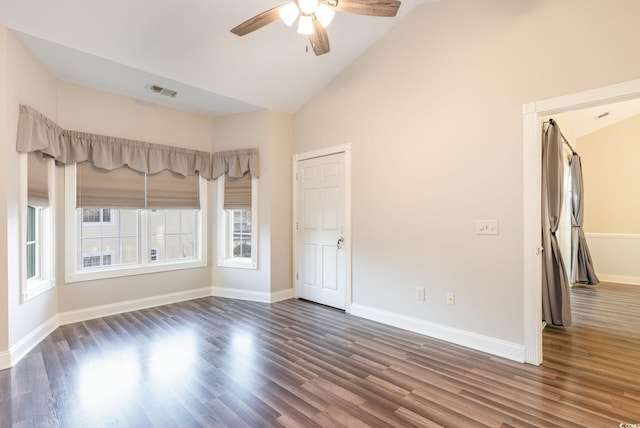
x=556, y=305
x=582, y=271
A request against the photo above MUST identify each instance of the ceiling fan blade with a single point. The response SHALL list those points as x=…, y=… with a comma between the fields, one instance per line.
x=367, y=7
x=319, y=39
x=257, y=22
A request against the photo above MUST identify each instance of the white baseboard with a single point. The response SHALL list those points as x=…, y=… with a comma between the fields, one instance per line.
x=5, y=360
x=619, y=279
x=27, y=343
x=490, y=345
x=131, y=305
x=255, y=296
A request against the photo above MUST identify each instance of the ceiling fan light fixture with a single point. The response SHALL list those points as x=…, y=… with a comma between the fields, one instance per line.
x=289, y=13
x=308, y=7
x=305, y=25
x=325, y=14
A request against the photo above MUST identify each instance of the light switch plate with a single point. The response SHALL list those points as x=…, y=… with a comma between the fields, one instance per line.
x=486, y=227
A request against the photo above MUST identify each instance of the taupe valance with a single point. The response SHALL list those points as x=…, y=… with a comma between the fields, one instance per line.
x=36, y=132
x=236, y=163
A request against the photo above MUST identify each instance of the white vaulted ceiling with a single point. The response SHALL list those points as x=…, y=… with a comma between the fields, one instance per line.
x=185, y=45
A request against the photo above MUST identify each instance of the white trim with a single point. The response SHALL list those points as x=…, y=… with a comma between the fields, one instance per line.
x=5, y=360
x=612, y=235
x=254, y=296
x=342, y=148
x=619, y=279
x=490, y=345
x=85, y=314
x=30, y=341
x=532, y=114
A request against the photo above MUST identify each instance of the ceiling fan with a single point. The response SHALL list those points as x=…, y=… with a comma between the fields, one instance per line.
x=314, y=15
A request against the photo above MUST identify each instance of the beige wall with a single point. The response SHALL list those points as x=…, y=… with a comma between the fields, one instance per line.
x=611, y=176
x=434, y=115
x=90, y=110
x=4, y=248
x=270, y=131
x=27, y=82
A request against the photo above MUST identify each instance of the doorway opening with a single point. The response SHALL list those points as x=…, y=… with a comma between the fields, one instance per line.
x=533, y=114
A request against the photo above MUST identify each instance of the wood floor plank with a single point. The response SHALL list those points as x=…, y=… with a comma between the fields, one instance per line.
x=220, y=362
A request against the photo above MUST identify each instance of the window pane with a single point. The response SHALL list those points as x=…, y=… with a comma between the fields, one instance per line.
x=111, y=246
x=157, y=247
x=187, y=221
x=31, y=224
x=156, y=222
x=240, y=233
x=172, y=224
x=171, y=234
x=90, y=247
x=31, y=260
x=128, y=222
x=173, y=249
x=112, y=240
x=188, y=247
x=129, y=250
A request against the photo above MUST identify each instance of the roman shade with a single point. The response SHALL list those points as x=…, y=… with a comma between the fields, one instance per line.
x=99, y=188
x=167, y=189
x=37, y=180
x=237, y=193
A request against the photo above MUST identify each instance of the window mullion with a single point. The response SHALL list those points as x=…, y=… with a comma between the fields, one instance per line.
x=144, y=237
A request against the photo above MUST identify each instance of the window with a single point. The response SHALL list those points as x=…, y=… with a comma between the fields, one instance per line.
x=33, y=244
x=37, y=193
x=237, y=219
x=239, y=231
x=139, y=232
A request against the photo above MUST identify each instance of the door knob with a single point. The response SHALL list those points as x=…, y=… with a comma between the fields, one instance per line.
x=340, y=243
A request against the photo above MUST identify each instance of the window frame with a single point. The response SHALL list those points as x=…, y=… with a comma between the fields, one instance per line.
x=45, y=278
x=75, y=273
x=225, y=247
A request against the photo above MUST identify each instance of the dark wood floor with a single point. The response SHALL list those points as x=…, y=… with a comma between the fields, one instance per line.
x=219, y=362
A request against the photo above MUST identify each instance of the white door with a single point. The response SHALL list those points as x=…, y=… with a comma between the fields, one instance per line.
x=321, y=225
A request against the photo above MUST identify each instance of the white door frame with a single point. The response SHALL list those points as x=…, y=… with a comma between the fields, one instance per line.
x=532, y=151
x=346, y=149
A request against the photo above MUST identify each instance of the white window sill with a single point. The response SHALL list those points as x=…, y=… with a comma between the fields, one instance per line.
x=36, y=287
x=239, y=263
x=120, y=271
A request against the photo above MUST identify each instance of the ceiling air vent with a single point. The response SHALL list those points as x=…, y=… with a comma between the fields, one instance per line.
x=162, y=91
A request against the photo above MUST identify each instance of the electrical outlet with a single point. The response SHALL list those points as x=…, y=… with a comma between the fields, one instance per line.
x=451, y=299
x=420, y=293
